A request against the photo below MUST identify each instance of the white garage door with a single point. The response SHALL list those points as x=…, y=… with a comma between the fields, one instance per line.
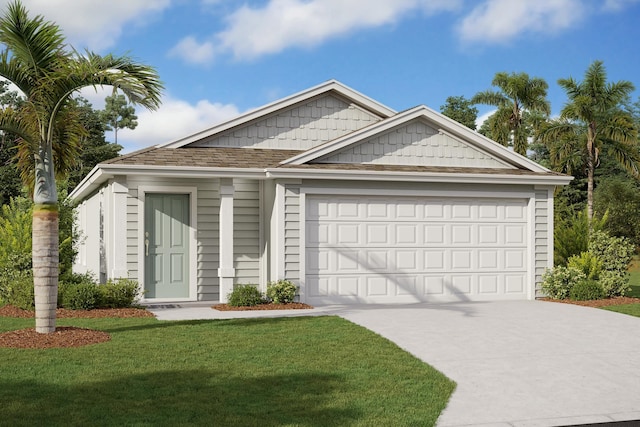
x=402, y=249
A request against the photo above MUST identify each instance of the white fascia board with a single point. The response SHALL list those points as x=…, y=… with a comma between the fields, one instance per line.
x=331, y=85
x=91, y=182
x=440, y=177
x=354, y=137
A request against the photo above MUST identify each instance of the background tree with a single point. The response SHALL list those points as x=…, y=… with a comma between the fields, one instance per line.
x=95, y=147
x=517, y=94
x=35, y=58
x=593, y=122
x=118, y=114
x=10, y=183
x=461, y=110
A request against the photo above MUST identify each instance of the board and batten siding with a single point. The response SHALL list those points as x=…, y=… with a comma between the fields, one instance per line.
x=88, y=224
x=415, y=143
x=246, y=231
x=301, y=127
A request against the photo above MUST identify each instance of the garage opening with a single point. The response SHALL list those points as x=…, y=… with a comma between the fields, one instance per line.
x=409, y=249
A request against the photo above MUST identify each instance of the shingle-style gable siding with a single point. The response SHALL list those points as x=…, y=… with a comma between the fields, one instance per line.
x=300, y=127
x=415, y=143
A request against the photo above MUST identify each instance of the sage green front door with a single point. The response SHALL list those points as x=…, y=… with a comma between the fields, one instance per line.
x=166, y=246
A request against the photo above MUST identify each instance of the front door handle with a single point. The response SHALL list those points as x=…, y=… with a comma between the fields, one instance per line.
x=146, y=244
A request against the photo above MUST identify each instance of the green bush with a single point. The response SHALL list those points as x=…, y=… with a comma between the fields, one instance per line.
x=558, y=282
x=281, y=292
x=16, y=288
x=586, y=290
x=120, y=293
x=614, y=284
x=245, y=296
x=571, y=235
x=79, y=296
x=588, y=263
x=616, y=254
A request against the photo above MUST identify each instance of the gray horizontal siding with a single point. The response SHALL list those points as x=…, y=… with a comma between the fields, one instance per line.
x=292, y=233
x=246, y=231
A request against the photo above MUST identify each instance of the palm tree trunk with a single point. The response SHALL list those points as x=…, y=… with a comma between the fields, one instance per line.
x=45, y=249
x=591, y=167
x=45, y=266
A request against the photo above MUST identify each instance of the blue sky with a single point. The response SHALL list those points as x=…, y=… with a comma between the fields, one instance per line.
x=219, y=58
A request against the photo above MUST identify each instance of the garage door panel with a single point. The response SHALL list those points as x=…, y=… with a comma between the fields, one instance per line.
x=402, y=249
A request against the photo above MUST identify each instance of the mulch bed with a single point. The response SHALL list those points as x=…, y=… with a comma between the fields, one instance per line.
x=64, y=336
x=270, y=306
x=598, y=302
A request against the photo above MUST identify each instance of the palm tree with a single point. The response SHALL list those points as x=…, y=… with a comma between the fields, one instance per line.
x=36, y=59
x=518, y=95
x=592, y=121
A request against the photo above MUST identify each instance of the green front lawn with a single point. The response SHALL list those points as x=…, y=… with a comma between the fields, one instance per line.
x=307, y=371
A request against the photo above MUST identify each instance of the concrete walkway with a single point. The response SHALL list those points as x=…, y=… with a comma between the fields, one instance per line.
x=516, y=363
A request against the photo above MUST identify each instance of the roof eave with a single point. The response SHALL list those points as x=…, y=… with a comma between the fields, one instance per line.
x=439, y=177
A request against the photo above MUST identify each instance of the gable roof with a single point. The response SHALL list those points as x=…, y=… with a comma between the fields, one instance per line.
x=444, y=125
x=326, y=87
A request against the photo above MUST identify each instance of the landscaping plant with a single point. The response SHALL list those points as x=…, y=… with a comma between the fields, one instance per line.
x=282, y=291
x=245, y=296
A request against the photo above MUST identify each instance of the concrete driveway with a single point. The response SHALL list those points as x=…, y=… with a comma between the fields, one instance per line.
x=516, y=363
x=521, y=363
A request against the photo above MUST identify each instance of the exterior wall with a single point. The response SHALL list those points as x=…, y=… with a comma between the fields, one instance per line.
x=292, y=220
x=543, y=236
x=415, y=144
x=88, y=224
x=246, y=231
x=302, y=127
x=207, y=235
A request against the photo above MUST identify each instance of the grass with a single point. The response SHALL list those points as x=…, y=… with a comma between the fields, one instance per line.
x=307, y=371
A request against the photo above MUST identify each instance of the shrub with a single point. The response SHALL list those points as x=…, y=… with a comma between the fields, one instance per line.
x=615, y=252
x=281, y=292
x=585, y=290
x=16, y=288
x=571, y=235
x=79, y=296
x=588, y=263
x=557, y=282
x=245, y=296
x=614, y=284
x=120, y=293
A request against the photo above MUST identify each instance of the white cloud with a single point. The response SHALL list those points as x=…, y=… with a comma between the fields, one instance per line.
x=193, y=52
x=497, y=21
x=256, y=31
x=617, y=5
x=175, y=119
x=91, y=24
x=483, y=117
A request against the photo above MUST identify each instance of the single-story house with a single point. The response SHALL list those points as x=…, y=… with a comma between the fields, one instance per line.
x=352, y=201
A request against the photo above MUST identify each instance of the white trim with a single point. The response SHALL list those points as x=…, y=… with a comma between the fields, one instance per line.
x=531, y=248
x=550, y=227
x=448, y=177
x=303, y=245
x=118, y=233
x=331, y=85
x=193, y=244
x=278, y=257
x=226, y=243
